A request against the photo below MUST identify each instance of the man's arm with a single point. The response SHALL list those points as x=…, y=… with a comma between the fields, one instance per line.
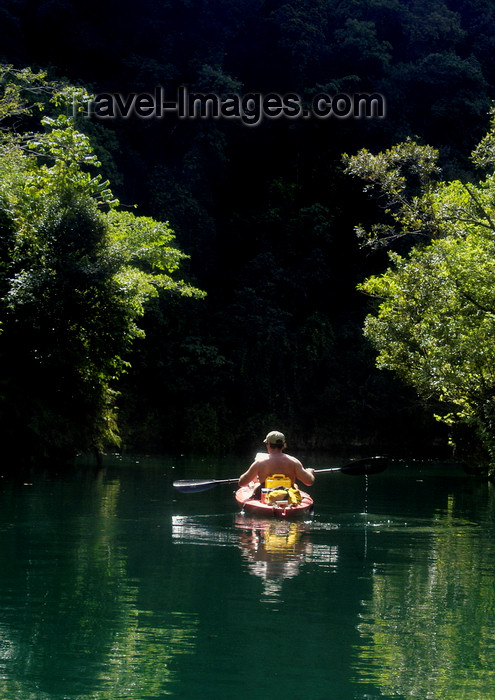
x=306, y=476
x=249, y=476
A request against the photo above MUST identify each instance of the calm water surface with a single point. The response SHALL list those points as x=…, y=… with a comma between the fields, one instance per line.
x=113, y=585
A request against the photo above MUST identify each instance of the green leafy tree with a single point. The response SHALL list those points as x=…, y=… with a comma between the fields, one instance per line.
x=76, y=274
x=435, y=319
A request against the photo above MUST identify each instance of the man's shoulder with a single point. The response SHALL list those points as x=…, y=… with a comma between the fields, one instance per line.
x=293, y=459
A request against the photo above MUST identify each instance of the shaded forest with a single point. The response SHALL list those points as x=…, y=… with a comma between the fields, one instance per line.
x=265, y=213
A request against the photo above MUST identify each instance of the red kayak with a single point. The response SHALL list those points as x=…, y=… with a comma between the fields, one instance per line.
x=279, y=509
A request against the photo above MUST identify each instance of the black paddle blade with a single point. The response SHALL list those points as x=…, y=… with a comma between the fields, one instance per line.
x=369, y=465
x=194, y=485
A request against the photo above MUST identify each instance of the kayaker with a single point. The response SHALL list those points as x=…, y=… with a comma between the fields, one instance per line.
x=276, y=462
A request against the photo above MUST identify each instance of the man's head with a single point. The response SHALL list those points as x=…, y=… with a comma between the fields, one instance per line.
x=275, y=440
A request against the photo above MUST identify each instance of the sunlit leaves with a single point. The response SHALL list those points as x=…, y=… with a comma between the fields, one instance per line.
x=435, y=320
x=436, y=324
x=144, y=242
x=403, y=177
x=21, y=91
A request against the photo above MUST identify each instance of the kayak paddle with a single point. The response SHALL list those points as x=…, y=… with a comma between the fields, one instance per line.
x=359, y=467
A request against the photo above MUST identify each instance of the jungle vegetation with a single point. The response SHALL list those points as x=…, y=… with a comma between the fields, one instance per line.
x=264, y=220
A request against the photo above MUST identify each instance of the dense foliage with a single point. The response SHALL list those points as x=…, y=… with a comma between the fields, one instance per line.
x=265, y=212
x=73, y=282
x=435, y=321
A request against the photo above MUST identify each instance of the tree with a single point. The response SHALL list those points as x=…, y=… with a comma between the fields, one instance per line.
x=435, y=319
x=75, y=276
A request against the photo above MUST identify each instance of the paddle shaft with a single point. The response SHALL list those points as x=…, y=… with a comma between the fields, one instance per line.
x=372, y=465
x=328, y=469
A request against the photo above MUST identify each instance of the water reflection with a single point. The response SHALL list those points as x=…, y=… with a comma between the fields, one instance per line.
x=70, y=621
x=273, y=550
x=107, y=591
x=428, y=628
x=140, y=658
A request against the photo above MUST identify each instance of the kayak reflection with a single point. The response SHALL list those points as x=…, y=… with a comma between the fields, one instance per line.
x=273, y=549
x=276, y=550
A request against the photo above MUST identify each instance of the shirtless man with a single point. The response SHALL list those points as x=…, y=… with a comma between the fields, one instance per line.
x=276, y=462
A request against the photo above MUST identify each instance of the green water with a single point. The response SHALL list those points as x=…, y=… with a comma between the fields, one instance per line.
x=115, y=586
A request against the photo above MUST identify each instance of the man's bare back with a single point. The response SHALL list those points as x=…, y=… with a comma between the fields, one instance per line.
x=276, y=462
